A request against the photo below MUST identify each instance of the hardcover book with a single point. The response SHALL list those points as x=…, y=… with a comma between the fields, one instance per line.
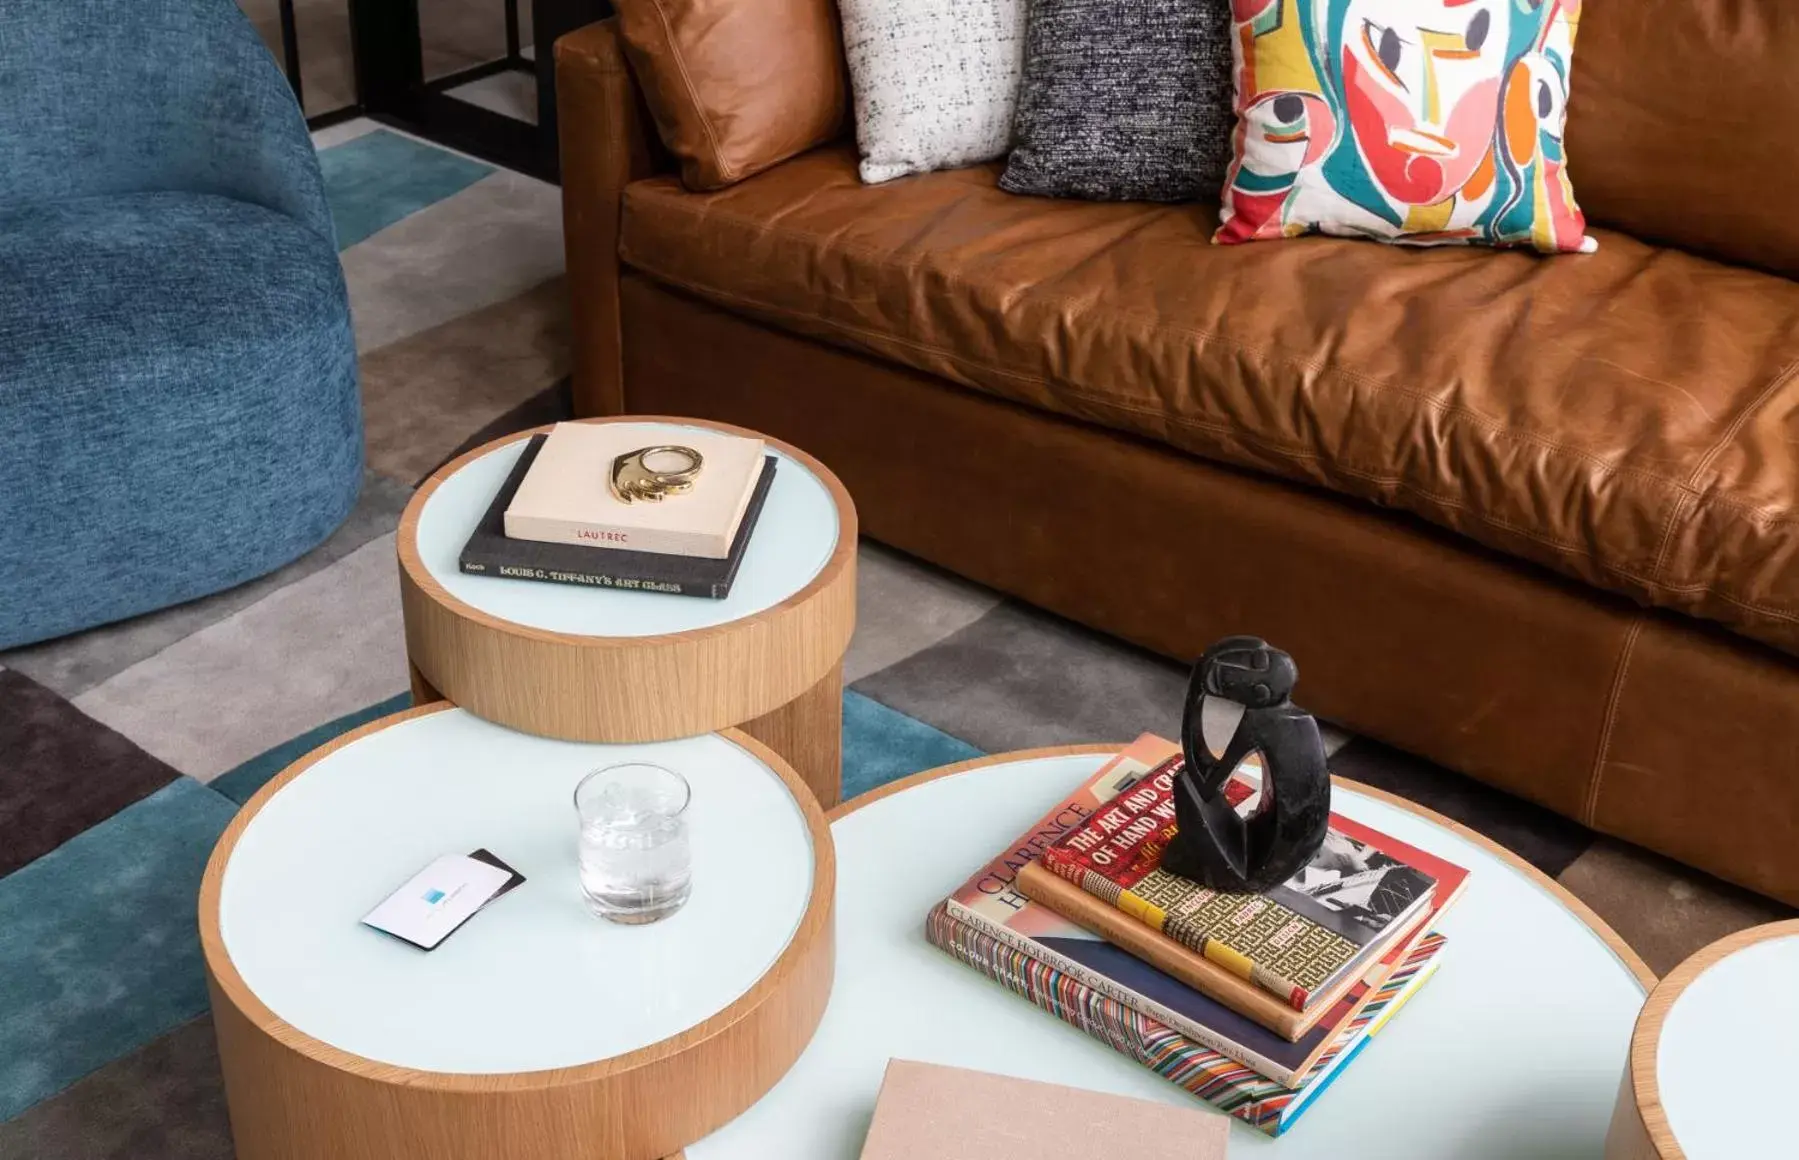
x=951, y=1113
x=1231, y=1015
x=1194, y=969
x=490, y=552
x=1227, y=1085
x=567, y=498
x=1297, y=941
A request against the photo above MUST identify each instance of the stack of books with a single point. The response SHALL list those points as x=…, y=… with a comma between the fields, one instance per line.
x=1254, y=1003
x=557, y=518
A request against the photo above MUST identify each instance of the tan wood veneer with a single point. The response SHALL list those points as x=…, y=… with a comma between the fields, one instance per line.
x=293, y=1097
x=775, y=672
x=1640, y=1129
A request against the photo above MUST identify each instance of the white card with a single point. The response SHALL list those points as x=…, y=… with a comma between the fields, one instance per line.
x=438, y=899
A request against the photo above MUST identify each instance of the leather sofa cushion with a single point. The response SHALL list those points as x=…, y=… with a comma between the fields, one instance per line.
x=1627, y=418
x=736, y=86
x=1677, y=124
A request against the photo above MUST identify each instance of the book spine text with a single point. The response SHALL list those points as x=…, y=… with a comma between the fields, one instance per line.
x=1110, y=853
x=665, y=541
x=593, y=579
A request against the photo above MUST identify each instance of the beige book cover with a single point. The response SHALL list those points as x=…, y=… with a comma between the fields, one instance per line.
x=948, y=1113
x=566, y=497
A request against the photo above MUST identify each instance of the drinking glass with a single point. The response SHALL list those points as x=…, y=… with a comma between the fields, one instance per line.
x=636, y=864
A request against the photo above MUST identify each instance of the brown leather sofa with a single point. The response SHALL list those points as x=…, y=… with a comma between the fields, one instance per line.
x=1531, y=518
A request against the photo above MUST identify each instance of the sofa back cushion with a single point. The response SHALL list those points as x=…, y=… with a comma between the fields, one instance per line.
x=1680, y=124
x=1555, y=410
x=736, y=86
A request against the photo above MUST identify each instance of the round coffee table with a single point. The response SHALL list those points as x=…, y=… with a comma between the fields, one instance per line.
x=1714, y=1055
x=611, y=665
x=1513, y=1049
x=539, y=1030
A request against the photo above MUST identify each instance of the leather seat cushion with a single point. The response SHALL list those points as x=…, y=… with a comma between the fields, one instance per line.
x=1628, y=418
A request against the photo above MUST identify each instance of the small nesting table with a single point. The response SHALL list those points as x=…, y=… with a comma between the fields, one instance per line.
x=1715, y=1054
x=539, y=1030
x=1512, y=1050
x=621, y=666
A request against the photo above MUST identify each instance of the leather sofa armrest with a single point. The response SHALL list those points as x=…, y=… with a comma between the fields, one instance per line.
x=607, y=142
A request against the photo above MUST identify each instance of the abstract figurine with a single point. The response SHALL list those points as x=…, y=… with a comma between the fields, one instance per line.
x=1238, y=705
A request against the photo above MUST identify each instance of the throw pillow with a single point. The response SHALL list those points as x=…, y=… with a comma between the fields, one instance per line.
x=935, y=82
x=1422, y=121
x=736, y=86
x=1124, y=100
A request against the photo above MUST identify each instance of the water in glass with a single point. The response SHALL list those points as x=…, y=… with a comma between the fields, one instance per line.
x=636, y=864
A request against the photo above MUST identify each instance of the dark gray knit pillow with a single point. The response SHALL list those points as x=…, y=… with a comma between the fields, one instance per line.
x=1124, y=100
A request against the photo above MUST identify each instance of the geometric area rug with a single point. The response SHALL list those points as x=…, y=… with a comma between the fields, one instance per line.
x=125, y=751
x=106, y=849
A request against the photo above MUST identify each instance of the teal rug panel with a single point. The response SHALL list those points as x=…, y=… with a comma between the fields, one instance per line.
x=882, y=744
x=375, y=180
x=241, y=784
x=99, y=950
x=98, y=945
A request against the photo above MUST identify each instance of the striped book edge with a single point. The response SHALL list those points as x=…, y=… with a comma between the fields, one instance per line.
x=1221, y=1082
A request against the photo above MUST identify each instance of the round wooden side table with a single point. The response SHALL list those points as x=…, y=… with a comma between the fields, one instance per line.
x=539, y=1030
x=621, y=666
x=1512, y=1050
x=1714, y=1054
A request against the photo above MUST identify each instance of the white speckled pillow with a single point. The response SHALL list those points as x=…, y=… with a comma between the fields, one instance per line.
x=935, y=81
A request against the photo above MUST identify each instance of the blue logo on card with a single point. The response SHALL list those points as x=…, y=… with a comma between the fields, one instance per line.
x=434, y=896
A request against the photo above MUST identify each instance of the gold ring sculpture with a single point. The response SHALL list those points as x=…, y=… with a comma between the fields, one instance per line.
x=633, y=479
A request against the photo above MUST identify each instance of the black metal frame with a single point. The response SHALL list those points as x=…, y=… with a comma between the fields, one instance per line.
x=290, y=48
x=391, y=87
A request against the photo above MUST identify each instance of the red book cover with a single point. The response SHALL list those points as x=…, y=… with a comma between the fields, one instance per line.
x=1361, y=889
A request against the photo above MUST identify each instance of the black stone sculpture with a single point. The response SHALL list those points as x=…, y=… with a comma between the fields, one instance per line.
x=1238, y=705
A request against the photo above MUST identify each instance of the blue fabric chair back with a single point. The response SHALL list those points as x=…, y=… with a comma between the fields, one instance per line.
x=126, y=96
x=179, y=409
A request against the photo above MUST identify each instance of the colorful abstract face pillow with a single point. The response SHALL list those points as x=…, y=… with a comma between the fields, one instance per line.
x=1419, y=121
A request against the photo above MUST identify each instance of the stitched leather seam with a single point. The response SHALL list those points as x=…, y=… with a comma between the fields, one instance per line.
x=1783, y=615
x=1704, y=464
x=1736, y=426
x=1680, y=496
x=572, y=48
x=1752, y=511
x=606, y=85
x=1648, y=580
x=1700, y=586
x=1611, y=717
x=725, y=169
x=1202, y=425
x=1666, y=538
x=615, y=160
x=1673, y=521
x=1742, y=420
x=1321, y=367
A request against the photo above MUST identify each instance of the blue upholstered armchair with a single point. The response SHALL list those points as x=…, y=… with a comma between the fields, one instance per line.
x=178, y=400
